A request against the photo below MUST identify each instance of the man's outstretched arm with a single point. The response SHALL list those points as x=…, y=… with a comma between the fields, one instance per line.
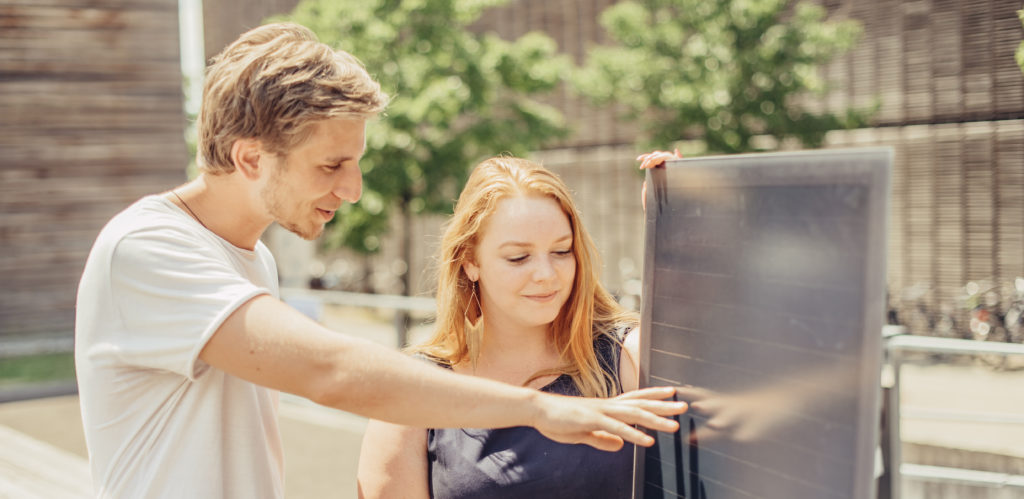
x=269, y=343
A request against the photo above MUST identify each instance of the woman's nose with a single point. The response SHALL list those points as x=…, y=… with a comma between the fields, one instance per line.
x=544, y=270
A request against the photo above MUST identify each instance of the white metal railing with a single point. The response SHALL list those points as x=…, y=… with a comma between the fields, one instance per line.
x=397, y=302
x=960, y=476
x=898, y=344
x=930, y=344
x=309, y=301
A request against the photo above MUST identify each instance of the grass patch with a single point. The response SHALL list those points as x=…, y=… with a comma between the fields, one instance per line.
x=37, y=368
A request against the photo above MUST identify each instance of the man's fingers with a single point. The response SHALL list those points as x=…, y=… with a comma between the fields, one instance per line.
x=602, y=440
x=612, y=434
x=693, y=393
x=654, y=393
x=652, y=400
x=610, y=420
x=721, y=422
x=616, y=426
x=652, y=416
x=661, y=407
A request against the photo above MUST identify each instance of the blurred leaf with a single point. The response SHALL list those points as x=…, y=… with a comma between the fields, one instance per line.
x=723, y=71
x=457, y=98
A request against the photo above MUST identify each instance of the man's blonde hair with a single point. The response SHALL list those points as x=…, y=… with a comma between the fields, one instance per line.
x=270, y=85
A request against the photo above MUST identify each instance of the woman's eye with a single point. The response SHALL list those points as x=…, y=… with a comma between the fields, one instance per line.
x=564, y=252
x=517, y=259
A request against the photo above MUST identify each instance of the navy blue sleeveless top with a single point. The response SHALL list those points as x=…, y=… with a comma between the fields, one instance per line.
x=519, y=462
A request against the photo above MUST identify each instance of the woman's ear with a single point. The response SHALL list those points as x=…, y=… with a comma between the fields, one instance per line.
x=246, y=154
x=472, y=271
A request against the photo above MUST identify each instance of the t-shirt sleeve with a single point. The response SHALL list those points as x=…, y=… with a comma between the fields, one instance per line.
x=171, y=293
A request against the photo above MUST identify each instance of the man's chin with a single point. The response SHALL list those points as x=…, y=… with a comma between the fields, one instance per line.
x=307, y=234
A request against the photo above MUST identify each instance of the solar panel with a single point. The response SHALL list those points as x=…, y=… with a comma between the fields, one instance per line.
x=763, y=301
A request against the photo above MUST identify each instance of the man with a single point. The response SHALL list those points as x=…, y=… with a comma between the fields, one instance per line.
x=181, y=343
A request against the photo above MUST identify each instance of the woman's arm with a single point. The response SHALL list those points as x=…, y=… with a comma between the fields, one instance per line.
x=393, y=462
x=629, y=361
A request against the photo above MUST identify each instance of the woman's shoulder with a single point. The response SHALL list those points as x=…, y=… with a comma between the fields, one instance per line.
x=608, y=345
x=612, y=336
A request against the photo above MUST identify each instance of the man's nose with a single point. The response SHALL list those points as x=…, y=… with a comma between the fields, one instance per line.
x=349, y=186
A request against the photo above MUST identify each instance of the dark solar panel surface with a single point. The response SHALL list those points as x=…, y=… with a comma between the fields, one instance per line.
x=763, y=299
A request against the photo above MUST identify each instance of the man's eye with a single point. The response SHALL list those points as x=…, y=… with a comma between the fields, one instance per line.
x=332, y=168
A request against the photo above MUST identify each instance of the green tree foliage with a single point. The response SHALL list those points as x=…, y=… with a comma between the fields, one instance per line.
x=457, y=98
x=723, y=71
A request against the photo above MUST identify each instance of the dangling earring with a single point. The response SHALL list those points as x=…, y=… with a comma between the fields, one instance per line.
x=474, y=332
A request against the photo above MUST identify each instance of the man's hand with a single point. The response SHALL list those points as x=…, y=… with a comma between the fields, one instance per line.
x=742, y=417
x=605, y=423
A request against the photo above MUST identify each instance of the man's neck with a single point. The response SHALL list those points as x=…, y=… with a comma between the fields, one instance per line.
x=225, y=208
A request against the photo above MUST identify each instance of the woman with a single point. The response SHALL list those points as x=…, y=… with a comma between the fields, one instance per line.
x=519, y=301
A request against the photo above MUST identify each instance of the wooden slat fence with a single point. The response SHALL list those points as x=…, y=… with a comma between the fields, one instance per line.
x=90, y=120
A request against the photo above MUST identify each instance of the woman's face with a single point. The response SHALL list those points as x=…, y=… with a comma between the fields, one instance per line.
x=524, y=262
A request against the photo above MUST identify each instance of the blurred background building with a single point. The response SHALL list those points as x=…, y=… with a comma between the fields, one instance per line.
x=90, y=120
x=91, y=106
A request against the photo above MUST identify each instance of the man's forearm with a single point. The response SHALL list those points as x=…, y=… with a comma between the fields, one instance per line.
x=379, y=383
x=271, y=344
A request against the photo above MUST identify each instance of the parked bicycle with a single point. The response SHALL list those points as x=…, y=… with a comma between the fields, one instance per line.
x=991, y=320
x=915, y=311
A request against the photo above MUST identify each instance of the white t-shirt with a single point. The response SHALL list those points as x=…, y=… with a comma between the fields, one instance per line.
x=159, y=422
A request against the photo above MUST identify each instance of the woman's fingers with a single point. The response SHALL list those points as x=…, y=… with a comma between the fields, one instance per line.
x=643, y=196
x=653, y=160
x=656, y=158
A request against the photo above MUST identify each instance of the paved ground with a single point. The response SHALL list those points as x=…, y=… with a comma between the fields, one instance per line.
x=321, y=446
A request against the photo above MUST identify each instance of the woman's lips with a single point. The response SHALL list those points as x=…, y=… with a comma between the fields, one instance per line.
x=542, y=297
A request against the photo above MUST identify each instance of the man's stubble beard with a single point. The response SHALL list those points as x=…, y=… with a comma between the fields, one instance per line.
x=272, y=198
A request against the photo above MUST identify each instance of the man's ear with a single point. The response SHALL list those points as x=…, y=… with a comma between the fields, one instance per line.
x=246, y=154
